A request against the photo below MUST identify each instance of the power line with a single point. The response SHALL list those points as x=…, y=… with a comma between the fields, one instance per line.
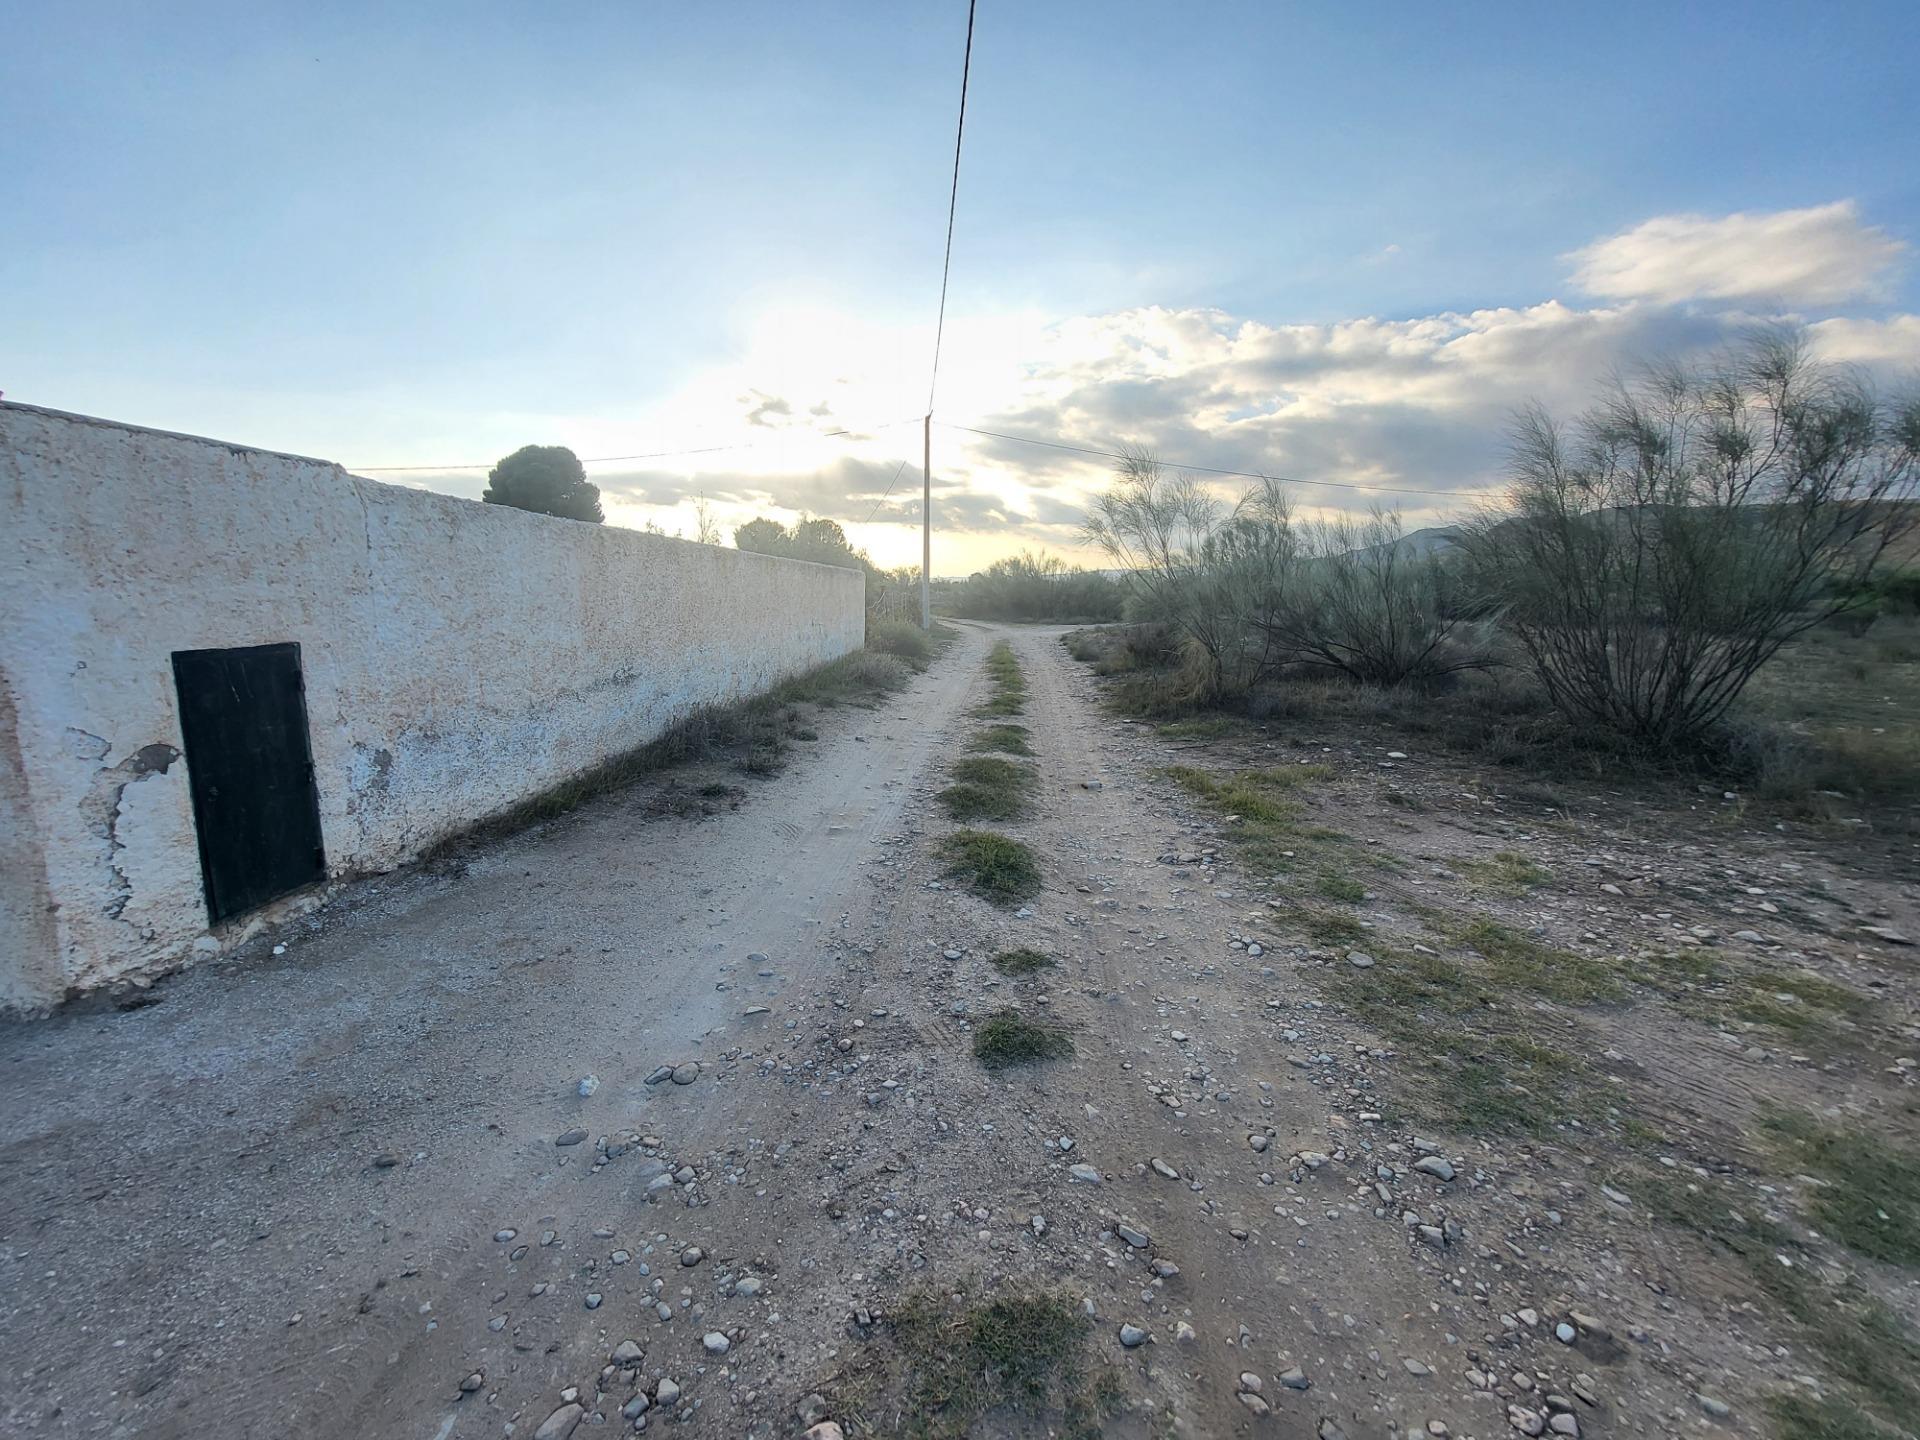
x=651, y=455
x=953, y=201
x=1206, y=469
x=900, y=470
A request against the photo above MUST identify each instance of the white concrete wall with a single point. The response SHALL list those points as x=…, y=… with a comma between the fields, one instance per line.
x=458, y=658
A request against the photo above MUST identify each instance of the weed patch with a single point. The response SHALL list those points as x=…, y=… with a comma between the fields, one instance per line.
x=1870, y=1196
x=1520, y=962
x=1800, y=1417
x=988, y=788
x=1006, y=1038
x=1864, y=1342
x=1342, y=887
x=908, y=641
x=1507, y=872
x=1006, y=739
x=1022, y=962
x=1022, y=1354
x=1001, y=870
x=1009, y=685
x=1330, y=928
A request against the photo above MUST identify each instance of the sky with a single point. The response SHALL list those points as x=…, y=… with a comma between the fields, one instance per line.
x=1335, y=243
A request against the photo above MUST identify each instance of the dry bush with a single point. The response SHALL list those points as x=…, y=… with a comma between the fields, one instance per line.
x=1363, y=604
x=1654, y=555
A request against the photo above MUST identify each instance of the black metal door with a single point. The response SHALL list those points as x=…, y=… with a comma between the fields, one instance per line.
x=243, y=718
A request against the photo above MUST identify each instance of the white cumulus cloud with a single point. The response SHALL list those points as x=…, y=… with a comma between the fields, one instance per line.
x=1822, y=255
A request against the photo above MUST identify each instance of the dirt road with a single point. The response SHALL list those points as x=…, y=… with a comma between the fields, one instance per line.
x=326, y=1193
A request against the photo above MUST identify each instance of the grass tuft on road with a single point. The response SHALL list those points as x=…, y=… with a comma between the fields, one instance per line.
x=996, y=868
x=988, y=788
x=1007, y=739
x=1007, y=1038
x=1009, y=685
x=1019, y=1354
x=1021, y=962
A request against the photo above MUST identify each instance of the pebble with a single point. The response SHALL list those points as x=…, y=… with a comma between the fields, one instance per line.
x=1259, y=1143
x=628, y=1352
x=1434, y=1165
x=715, y=1343
x=1085, y=1174
x=666, y=1393
x=560, y=1423
x=503, y=1236
x=593, y=1302
x=1138, y=1239
x=1254, y=1403
x=1526, y=1421
x=588, y=1084
x=1359, y=959
x=692, y=1255
x=686, y=1074
x=570, y=1137
x=1164, y=1170
x=1718, y=1409
x=473, y=1382
x=1565, y=1333
x=1132, y=1336
x=825, y=1430
x=1295, y=1378
x=1250, y=1381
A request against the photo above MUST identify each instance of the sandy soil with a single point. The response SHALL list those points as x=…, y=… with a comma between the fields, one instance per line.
x=317, y=1194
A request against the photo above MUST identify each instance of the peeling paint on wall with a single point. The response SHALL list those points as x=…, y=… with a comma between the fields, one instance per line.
x=458, y=657
x=101, y=810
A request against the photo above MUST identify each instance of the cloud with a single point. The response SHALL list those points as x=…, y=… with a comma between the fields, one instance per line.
x=820, y=413
x=1822, y=255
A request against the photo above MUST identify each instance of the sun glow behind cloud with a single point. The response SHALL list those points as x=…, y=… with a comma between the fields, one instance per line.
x=1417, y=404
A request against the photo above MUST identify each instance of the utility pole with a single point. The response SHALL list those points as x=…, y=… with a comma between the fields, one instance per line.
x=926, y=524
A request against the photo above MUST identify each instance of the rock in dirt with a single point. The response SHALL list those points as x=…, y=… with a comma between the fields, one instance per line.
x=560, y=1424
x=570, y=1137
x=1435, y=1166
x=686, y=1074
x=1132, y=1336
